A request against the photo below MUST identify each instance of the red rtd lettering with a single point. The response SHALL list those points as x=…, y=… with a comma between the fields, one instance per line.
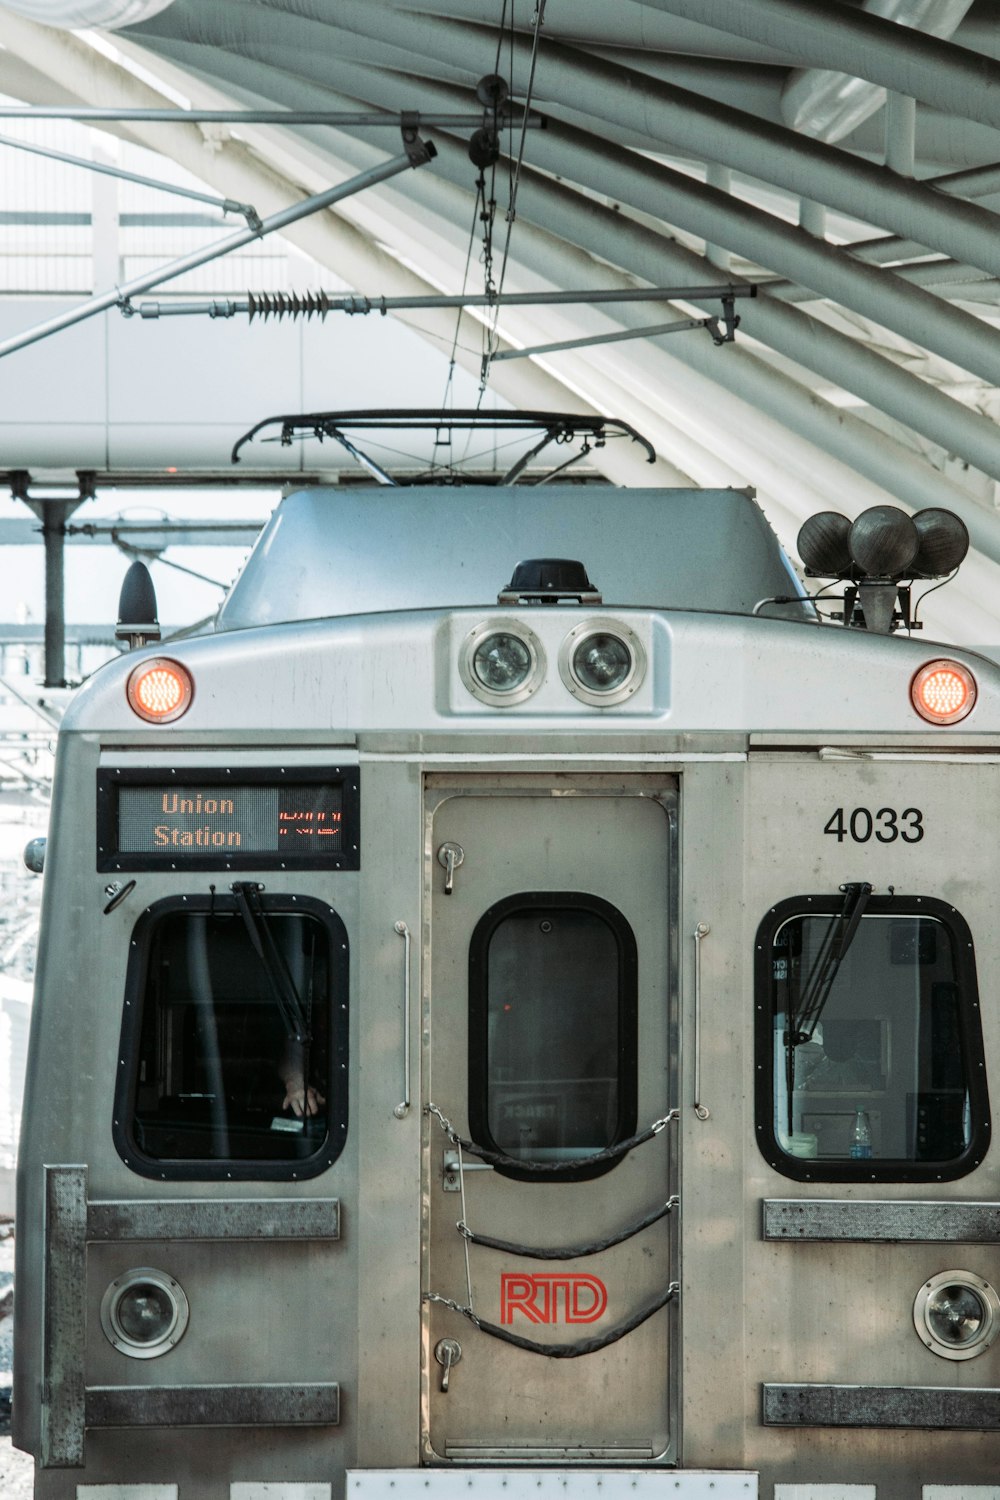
x=552, y=1297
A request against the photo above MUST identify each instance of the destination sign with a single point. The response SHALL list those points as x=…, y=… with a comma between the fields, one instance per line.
x=256, y=818
x=240, y=820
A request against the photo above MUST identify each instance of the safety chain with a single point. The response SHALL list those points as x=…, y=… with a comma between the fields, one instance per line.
x=551, y=1168
x=561, y=1351
x=571, y=1252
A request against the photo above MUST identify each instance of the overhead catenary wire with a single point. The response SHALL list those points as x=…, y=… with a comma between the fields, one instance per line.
x=491, y=349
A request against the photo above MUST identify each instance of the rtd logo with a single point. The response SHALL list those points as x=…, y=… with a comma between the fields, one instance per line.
x=552, y=1297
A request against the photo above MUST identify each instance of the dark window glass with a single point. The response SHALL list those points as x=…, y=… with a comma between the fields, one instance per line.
x=234, y=1040
x=874, y=1058
x=552, y=1035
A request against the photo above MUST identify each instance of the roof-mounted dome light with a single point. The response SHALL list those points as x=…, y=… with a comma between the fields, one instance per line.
x=879, y=556
x=823, y=546
x=944, y=542
x=883, y=541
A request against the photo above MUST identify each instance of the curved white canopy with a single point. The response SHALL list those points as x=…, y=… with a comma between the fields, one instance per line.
x=72, y=13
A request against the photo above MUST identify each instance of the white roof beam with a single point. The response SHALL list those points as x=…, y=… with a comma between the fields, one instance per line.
x=328, y=238
x=703, y=211
x=835, y=357
x=830, y=105
x=896, y=470
x=656, y=112
x=595, y=23
x=815, y=34
x=713, y=216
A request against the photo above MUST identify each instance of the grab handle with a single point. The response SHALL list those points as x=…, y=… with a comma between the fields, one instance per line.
x=403, y=1107
x=700, y=933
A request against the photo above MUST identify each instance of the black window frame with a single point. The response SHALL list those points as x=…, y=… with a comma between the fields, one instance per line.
x=206, y=1169
x=871, y=1169
x=628, y=1024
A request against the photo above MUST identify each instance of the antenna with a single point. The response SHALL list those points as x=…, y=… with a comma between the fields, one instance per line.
x=137, y=620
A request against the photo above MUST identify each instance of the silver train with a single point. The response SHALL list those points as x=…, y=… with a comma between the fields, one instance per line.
x=515, y=1017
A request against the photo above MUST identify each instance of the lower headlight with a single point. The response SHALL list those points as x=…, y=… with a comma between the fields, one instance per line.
x=957, y=1314
x=144, y=1313
x=602, y=662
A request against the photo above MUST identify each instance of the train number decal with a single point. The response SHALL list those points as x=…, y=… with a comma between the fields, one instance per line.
x=887, y=825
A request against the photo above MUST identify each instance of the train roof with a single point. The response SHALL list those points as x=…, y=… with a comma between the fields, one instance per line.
x=334, y=552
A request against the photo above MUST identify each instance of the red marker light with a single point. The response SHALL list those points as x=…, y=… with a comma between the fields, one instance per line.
x=160, y=690
x=943, y=692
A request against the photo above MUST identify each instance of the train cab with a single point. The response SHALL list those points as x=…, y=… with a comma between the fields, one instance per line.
x=515, y=1015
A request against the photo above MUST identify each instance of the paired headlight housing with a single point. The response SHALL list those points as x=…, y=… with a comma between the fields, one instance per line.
x=601, y=662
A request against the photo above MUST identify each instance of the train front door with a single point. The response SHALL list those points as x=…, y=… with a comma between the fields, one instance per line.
x=550, y=1036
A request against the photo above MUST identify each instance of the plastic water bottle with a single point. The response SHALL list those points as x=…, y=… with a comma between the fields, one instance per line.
x=861, y=1137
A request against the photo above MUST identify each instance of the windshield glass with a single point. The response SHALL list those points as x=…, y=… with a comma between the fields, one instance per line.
x=232, y=1055
x=882, y=1072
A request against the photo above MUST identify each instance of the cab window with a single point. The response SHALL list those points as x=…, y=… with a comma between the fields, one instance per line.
x=552, y=1036
x=869, y=1048
x=234, y=1040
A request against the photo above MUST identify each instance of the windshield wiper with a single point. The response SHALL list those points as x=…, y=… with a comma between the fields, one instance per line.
x=276, y=970
x=837, y=939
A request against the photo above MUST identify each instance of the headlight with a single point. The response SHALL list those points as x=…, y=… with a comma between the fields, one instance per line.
x=501, y=663
x=957, y=1314
x=602, y=662
x=144, y=1313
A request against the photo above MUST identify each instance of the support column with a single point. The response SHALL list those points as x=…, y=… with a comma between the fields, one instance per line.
x=54, y=511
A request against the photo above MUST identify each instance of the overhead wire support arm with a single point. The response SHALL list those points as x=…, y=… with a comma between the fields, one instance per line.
x=336, y=117
x=655, y=331
x=227, y=205
x=416, y=154
x=281, y=304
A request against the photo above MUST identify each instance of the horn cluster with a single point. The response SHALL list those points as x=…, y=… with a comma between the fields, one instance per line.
x=876, y=553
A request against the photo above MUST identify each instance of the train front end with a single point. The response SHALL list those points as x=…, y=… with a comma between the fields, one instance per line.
x=514, y=1016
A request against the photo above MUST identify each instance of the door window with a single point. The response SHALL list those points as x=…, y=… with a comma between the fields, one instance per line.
x=234, y=1042
x=869, y=1041
x=552, y=1060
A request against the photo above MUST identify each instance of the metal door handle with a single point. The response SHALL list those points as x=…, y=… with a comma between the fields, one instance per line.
x=450, y=855
x=700, y=933
x=403, y=1107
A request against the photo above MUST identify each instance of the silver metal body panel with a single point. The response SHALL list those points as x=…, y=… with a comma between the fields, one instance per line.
x=832, y=1314
x=704, y=549
x=750, y=733
x=399, y=673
